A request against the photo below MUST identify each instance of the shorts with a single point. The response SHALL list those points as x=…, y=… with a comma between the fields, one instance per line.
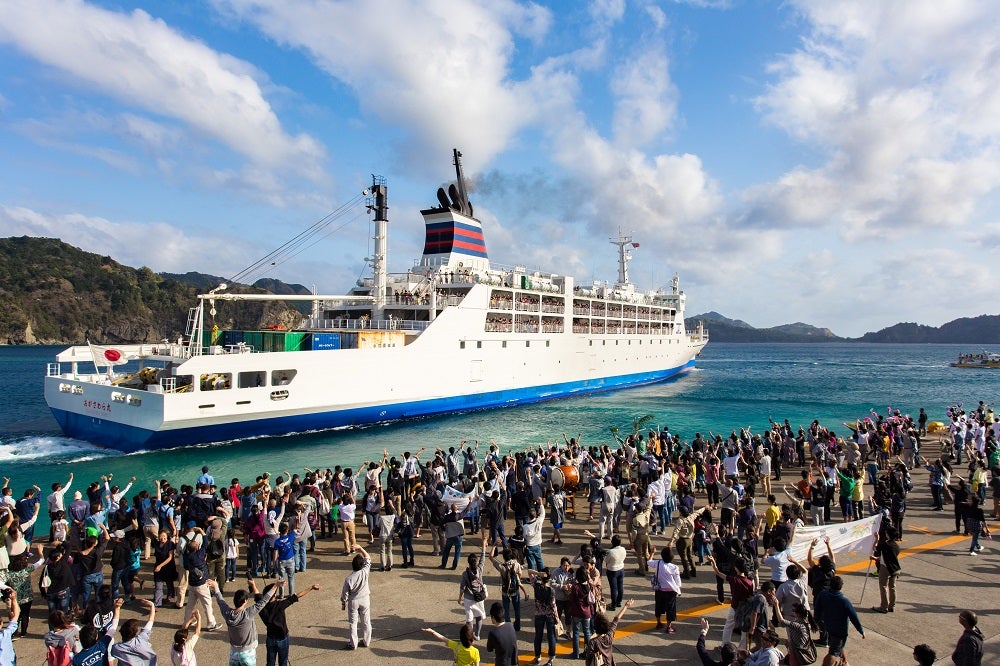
x=665, y=604
x=837, y=644
x=557, y=526
x=243, y=657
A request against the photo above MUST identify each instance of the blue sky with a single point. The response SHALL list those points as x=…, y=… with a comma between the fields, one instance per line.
x=835, y=162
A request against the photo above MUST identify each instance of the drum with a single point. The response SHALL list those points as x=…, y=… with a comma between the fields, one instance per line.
x=571, y=477
x=557, y=478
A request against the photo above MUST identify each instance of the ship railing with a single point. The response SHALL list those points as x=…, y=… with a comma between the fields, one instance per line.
x=558, y=309
x=581, y=311
x=527, y=307
x=501, y=304
x=498, y=327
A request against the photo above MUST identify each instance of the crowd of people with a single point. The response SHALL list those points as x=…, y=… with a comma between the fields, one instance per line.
x=701, y=496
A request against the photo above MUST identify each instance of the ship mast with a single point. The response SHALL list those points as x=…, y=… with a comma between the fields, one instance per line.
x=624, y=244
x=377, y=203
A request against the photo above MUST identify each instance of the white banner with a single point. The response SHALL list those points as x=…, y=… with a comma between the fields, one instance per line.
x=459, y=499
x=855, y=537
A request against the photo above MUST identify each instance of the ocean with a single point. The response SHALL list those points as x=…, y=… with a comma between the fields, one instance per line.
x=734, y=385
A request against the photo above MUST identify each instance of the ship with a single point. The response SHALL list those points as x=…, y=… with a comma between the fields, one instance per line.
x=986, y=360
x=454, y=333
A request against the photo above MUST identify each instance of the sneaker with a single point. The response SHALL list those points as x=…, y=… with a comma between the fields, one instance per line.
x=973, y=553
x=361, y=643
x=214, y=627
x=980, y=548
x=535, y=661
x=348, y=647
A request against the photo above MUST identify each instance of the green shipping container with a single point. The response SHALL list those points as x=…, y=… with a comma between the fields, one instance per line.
x=296, y=341
x=274, y=341
x=254, y=339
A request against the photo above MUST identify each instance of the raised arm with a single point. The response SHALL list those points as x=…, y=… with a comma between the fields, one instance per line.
x=435, y=634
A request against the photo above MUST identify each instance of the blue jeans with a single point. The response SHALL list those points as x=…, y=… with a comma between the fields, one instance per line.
x=546, y=623
x=231, y=568
x=452, y=542
x=255, y=557
x=533, y=557
x=300, y=555
x=277, y=652
x=286, y=571
x=616, y=583
x=514, y=601
x=120, y=577
x=59, y=600
x=580, y=624
x=90, y=584
x=406, y=543
x=660, y=511
x=975, y=540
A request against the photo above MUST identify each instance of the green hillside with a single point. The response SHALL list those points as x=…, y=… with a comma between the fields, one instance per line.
x=53, y=293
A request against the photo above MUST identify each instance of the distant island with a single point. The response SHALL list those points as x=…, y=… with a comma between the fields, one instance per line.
x=54, y=293
x=981, y=330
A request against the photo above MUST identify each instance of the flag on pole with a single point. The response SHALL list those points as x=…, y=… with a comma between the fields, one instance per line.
x=854, y=537
x=106, y=356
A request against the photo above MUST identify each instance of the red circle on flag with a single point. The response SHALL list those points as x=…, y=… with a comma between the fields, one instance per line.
x=112, y=354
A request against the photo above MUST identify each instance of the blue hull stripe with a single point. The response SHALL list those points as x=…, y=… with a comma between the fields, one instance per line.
x=130, y=438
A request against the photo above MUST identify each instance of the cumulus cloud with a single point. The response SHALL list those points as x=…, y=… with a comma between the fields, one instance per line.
x=902, y=102
x=159, y=245
x=148, y=65
x=439, y=70
x=646, y=100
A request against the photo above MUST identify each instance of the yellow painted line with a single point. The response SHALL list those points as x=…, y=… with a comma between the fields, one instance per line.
x=565, y=647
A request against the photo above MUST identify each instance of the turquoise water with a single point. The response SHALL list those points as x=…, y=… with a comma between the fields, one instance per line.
x=735, y=385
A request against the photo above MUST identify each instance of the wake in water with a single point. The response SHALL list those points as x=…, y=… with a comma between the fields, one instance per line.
x=62, y=449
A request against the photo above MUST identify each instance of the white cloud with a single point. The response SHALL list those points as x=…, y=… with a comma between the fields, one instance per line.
x=440, y=70
x=158, y=245
x=646, y=100
x=145, y=63
x=902, y=101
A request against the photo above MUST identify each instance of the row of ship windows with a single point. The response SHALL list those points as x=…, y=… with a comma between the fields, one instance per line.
x=463, y=344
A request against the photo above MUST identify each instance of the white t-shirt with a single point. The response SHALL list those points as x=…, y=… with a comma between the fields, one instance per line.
x=731, y=465
x=765, y=464
x=614, y=559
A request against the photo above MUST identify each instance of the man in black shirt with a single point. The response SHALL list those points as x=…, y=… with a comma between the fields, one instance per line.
x=502, y=639
x=273, y=615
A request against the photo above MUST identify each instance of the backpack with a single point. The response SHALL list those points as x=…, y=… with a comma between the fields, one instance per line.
x=508, y=581
x=641, y=519
x=215, y=549
x=58, y=655
x=324, y=506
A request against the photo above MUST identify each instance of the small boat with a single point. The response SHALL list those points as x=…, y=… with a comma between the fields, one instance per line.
x=987, y=360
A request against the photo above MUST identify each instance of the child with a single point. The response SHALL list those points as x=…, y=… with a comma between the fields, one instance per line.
x=232, y=554
x=60, y=529
x=182, y=651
